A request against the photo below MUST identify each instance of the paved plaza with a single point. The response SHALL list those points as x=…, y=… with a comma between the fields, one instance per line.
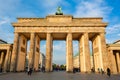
x=57, y=76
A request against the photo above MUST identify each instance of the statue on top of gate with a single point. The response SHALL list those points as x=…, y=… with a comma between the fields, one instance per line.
x=59, y=11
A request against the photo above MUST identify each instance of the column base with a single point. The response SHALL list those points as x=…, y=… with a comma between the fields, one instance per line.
x=85, y=72
x=69, y=71
x=48, y=71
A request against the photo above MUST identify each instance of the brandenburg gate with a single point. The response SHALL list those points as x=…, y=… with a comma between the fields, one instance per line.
x=59, y=27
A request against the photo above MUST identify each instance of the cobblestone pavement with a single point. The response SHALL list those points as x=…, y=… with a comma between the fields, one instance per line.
x=57, y=76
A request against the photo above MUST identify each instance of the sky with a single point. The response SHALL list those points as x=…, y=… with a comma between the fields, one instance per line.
x=108, y=9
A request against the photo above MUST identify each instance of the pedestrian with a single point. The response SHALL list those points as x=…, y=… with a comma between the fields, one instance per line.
x=43, y=69
x=74, y=70
x=98, y=70
x=1, y=70
x=102, y=71
x=92, y=70
x=108, y=72
x=30, y=71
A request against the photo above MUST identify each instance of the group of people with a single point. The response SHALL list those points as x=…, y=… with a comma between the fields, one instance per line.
x=74, y=70
x=102, y=71
x=30, y=71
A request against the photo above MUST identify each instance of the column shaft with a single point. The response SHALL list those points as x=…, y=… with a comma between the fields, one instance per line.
x=1, y=59
x=103, y=51
x=113, y=62
x=98, y=52
x=69, y=55
x=32, y=50
x=85, y=53
x=48, y=66
x=9, y=59
x=6, y=60
x=15, y=52
x=37, y=52
x=118, y=61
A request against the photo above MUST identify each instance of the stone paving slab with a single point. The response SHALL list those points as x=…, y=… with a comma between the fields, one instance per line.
x=57, y=76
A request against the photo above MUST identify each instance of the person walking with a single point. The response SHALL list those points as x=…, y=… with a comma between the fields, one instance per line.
x=28, y=71
x=108, y=72
x=102, y=71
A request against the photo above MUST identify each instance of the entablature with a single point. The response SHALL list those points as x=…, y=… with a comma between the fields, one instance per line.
x=60, y=20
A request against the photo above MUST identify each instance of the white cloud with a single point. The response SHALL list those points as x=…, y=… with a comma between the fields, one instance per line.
x=113, y=29
x=50, y=3
x=119, y=34
x=4, y=21
x=53, y=3
x=8, y=37
x=50, y=6
x=75, y=47
x=96, y=8
x=6, y=31
x=108, y=41
x=59, y=50
x=8, y=6
x=43, y=47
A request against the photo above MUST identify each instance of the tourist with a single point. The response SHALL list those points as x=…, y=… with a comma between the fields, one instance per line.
x=92, y=70
x=1, y=70
x=98, y=70
x=74, y=70
x=102, y=71
x=108, y=72
x=28, y=71
x=43, y=69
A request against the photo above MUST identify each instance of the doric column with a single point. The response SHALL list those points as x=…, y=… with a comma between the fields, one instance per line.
x=113, y=62
x=37, y=52
x=9, y=59
x=1, y=59
x=69, y=54
x=21, y=55
x=103, y=52
x=48, y=64
x=97, y=53
x=15, y=52
x=6, y=60
x=85, y=53
x=118, y=61
x=32, y=50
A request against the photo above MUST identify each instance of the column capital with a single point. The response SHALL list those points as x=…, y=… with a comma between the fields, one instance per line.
x=32, y=33
x=85, y=33
x=16, y=32
x=49, y=32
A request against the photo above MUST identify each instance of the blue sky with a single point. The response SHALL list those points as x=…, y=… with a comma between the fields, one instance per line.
x=108, y=9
